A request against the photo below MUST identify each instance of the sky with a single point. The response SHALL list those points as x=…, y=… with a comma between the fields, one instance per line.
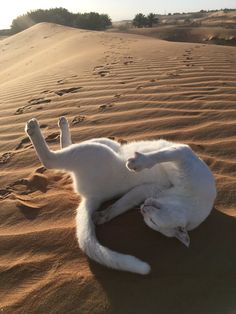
x=116, y=9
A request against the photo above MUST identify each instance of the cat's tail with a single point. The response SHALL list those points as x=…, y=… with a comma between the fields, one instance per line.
x=90, y=245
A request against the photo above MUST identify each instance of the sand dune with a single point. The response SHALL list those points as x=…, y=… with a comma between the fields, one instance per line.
x=127, y=87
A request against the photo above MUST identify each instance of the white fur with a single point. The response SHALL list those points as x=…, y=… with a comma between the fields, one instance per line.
x=176, y=188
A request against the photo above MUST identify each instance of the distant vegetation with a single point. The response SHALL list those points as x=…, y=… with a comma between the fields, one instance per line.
x=211, y=26
x=192, y=19
x=95, y=21
x=5, y=32
x=140, y=20
x=92, y=20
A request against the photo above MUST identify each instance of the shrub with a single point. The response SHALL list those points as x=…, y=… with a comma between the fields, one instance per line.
x=61, y=16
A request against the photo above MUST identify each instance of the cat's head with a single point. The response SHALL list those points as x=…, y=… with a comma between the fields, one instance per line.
x=151, y=218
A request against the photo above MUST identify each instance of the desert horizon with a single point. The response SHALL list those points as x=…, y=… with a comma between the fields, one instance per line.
x=125, y=86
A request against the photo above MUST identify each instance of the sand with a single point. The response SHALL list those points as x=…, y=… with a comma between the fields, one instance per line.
x=127, y=87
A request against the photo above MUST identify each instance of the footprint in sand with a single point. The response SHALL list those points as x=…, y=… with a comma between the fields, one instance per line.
x=39, y=101
x=98, y=67
x=172, y=74
x=24, y=143
x=78, y=119
x=28, y=209
x=188, y=51
x=68, y=90
x=47, y=91
x=36, y=182
x=104, y=107
x=101, y=70
x=128, y=62
x=32, y=102
x=60, y=82
x=4, y=193
x=103, y=73
x=22, y=110
x=22, y=190
x=5, y=158
x=52, y=138
x=188, y=58
x=22, y=187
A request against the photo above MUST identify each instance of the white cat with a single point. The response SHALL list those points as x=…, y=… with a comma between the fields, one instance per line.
x=176, y=188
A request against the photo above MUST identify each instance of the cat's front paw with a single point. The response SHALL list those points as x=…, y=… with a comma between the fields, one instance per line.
x=101, y=216
x=137, y=163
x=31, y=127
x=63, y=122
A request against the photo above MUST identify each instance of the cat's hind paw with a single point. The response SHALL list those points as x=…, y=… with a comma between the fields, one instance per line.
x=137, y=163
x=152, y=202
x=31, y=127
x=101, y=216
x=63, y=122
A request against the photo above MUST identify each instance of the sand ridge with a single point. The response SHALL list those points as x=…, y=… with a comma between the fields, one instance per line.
x=126, y=87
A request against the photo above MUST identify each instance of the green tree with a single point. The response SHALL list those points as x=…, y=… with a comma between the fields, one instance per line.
x=92, y=21
x=56, y=15
x=105, y=21
x=140, y=20
x=61, y=16
x=152, y=19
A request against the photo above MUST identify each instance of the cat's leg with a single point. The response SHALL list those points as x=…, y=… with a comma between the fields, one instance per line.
x=65, y=137
x=131, y=199
x=48, y=158
x=180, y=154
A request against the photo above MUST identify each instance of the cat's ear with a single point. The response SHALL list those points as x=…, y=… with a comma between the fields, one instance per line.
x=182, y=235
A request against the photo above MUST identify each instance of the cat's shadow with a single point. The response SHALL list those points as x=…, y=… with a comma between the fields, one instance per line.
x=201, y=279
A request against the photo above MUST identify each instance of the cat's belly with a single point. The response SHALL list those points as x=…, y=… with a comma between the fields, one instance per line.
x=117, y=183
x=156, y=176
